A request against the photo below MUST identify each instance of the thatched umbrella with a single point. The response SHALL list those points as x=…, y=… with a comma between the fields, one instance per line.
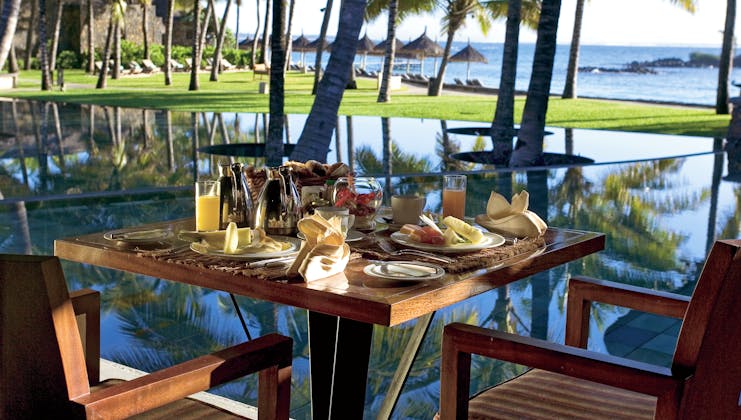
x=301, y=44
x=365, y=46
x=424, y=47
x=468, y=54
x=313, y=44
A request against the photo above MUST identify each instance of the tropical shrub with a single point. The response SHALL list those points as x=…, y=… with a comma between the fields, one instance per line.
x=68, y=60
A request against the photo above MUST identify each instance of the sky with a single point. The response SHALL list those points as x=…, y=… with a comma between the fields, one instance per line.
x=606, y=22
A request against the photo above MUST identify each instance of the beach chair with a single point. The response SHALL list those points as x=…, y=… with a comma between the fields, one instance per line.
x=134, y=68
x=188, y=62
x=149, y=67
x=459, y=82
x=474, y=82
x=226, y=65
x=261, y=69
x=568, y=381
x=50, y=360
x=175, y=65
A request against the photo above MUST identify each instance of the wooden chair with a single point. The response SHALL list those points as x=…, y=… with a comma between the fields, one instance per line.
x=46, y=369
x=568, y=381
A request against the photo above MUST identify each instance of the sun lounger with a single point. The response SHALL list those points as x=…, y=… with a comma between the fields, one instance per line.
x=226, y=65
x=175, y=65
x=134, y=68
x=261, y=69
x=459, y=82
x=149, y=67
x=474, y=82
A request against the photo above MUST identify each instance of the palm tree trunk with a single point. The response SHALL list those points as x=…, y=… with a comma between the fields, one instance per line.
x=236, y=29
x=145, y=29
x=55, y=35
x=265, y=34
x=116, y=70
x=289, y=35
x=168, y=42
x=316, y=136
x=390, y=53
x=90, y=38
x=529, y=147
x=569, y=89
x=204, y=31
x=274, y=141
x=502, y=127
x=216, y=68
x=106, y=52
x=320, y=46
x=726, y=62
x=8, y=23
x=12, y=60
x=196, y=60
x=44, y=56
x=29, y=34
x=257, y=33
x=437, y=88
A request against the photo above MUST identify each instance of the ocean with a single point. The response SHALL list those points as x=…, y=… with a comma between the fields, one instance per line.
x=695, y=86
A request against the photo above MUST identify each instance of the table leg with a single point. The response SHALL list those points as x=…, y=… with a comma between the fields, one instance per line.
x=339, y=356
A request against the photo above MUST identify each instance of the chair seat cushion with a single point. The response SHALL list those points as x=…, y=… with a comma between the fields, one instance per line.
x=558, y=396
x=184, y=409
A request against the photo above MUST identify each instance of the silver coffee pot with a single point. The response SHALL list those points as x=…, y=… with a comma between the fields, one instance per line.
x=278, y=207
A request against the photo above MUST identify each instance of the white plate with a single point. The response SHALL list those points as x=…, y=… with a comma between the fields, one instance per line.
x=294, y=243
x=352, y=236
x=404, y=270
x=138, y=236
x=491, y=240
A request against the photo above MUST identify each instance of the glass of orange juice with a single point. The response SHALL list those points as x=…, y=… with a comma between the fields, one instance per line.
x=454, y=196
x=207, y=205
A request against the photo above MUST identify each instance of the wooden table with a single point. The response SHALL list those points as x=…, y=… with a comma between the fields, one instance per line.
x=343, y=308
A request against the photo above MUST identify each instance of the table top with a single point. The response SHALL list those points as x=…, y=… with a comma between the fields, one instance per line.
x=352, y=294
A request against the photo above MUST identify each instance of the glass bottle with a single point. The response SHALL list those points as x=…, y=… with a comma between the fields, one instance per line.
x=362, y=196
x=226, y=195
x=236, y=198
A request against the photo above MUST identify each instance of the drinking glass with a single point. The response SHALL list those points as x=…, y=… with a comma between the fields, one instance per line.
x=454, y=196
x=207, y=205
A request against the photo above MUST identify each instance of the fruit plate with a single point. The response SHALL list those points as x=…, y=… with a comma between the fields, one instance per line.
x=404, y=270
x=138, y=237
x=291, y=246
x=491, y=240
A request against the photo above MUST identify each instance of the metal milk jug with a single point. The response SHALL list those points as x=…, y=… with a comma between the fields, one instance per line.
x=278, y=206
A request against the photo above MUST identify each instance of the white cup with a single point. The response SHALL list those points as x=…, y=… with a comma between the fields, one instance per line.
x=407, y=208
x=347, y=219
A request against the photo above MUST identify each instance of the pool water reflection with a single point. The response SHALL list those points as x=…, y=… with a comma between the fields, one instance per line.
x=661, y=200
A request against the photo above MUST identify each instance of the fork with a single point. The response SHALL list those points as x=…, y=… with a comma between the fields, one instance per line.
x=385, y=245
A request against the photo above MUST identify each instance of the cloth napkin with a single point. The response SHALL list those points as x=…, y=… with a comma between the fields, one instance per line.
x=512, y=219
x=323, y=252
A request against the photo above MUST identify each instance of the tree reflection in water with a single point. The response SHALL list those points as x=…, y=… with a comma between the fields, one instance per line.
x=101, y=168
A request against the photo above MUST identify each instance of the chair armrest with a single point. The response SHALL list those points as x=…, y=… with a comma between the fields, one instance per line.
x=271, y=355
x=584, y=290
x=461, y=340
x=86, y=304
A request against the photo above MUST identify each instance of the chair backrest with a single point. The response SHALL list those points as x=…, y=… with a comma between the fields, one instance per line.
x=709, y=344
x=43, y=363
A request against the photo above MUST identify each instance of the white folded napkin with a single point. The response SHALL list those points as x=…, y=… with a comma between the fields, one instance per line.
x=512, y=219
x=323, y=252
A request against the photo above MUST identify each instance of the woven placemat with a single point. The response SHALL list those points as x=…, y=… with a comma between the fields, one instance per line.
x=366, y=249
x=463, y=262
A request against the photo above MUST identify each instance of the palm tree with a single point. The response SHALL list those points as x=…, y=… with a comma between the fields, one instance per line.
x=517, y=11
x=168, y=41
x=145, y=4
x=196, y=54
x=274, y=142
x=44, y=55
x=529, y=147
x=401, y=9
x=90, y=37
x=118, y=11
x=390, y=53
x=315, y=138
x=726, y=62
x=32, y=22
x=117, y=28
x=55, y=35
x=320, y=46
x=216, y=67
x=569, y=90
x=257, y=33
x=8, y=23
x=456, y=12
x=265, y=34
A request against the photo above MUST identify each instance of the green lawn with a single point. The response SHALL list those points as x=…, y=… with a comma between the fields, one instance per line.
x=237, y=92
